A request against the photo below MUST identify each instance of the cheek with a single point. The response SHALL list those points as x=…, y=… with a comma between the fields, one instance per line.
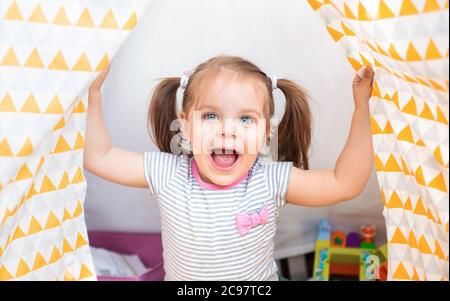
x=202, y=136
x=253, y=138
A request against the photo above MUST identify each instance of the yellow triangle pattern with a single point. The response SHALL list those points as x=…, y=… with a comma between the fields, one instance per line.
x=80, y=241
x=82, y=64
x=67, y=248
x=61, y=145
x=84, y=272
x=24, y=173
x=78, y=210
x=6, y=104
x=47, y=185
x=5, y=274
x=394, y=201
x=34, y=227
x=79, y=108
x=54, y=107
x=27, y=149
x=385, y=9
x=66, y=215
x=10, y=58
x=103, y=63
x=401, y=273
x=5, y=150
x=52, y=221
x=109, y=21
x=39, y=262
x=131, y=23
x=78, y=178
x=34, y=60
x=64, y=181
x=13, y=13
x=61, y=18
x=22, y=269
x=56, y=255
x=61, y=123
x=38, y=15
x=30, y=105
x=58, y=62
x=85, y=19
x=407, y=143
x=79, y=143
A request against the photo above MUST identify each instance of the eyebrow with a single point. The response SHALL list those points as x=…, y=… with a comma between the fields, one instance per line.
x=215, y=108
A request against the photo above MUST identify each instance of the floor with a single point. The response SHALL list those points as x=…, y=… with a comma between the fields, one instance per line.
x=298, y=268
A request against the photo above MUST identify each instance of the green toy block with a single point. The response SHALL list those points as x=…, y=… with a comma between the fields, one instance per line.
x=367, y=245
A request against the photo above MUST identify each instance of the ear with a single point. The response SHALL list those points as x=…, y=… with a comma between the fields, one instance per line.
x=184, y=124
x=273, y=127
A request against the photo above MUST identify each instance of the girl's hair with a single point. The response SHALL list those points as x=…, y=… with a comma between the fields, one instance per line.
x=294, y=129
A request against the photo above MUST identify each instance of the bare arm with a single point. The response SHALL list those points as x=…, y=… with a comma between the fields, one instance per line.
x=352, y=170
x=100, y=157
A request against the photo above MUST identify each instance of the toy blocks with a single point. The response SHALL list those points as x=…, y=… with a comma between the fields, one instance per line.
x=348, y=257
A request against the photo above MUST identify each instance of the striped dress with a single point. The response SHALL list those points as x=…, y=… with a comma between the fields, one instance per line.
x=198, y=229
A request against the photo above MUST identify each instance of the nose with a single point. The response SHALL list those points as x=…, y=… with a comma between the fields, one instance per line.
x=228, y=128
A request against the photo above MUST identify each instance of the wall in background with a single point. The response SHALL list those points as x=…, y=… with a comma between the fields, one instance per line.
x=285, y=37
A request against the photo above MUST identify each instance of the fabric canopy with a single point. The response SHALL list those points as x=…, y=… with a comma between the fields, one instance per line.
x=407, y=43
x=49, y=53
x=51, y=50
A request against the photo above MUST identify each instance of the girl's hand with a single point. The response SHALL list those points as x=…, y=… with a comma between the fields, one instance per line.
x=98, y=82
x=362, y=88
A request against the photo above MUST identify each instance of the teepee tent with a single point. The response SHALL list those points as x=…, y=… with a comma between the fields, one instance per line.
x=408, y=43
x=51, y=50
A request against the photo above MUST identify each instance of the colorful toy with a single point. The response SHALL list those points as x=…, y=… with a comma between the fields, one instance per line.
x=351, y=257
x=368, y=236
x=382, y=255
x=338, y=239
x=353, y=240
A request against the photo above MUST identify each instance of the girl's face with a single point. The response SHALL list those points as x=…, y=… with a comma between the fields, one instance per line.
x=226, y=127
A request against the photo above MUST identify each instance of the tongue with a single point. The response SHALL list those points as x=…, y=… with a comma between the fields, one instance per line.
x=223, y=160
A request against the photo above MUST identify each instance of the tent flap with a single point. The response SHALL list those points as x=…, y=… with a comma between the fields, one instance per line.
x=407, y=44
x=50, y=51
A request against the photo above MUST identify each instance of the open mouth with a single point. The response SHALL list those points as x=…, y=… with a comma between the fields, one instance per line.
x=224, y=159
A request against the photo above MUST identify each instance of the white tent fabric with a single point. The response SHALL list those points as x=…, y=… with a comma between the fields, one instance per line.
x=49, y=53
x=407, y=42
x=284, y=37
x=50, y=50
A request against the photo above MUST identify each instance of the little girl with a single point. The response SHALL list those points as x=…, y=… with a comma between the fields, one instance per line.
x=218, y=198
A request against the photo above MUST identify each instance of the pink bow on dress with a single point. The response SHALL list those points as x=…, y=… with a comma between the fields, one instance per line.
x=246, y=221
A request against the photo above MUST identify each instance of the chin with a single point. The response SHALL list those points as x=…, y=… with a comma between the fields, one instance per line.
x=224, y=180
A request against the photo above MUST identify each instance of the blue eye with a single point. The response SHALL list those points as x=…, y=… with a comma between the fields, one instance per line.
x=246, y=120
x=210, y=116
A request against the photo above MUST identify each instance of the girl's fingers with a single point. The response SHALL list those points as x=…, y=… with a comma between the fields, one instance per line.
x=364, y=75
x=97, y=83
x=369, y=72
x=104, y=72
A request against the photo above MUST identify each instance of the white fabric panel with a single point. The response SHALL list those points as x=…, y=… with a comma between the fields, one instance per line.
x=285, y=37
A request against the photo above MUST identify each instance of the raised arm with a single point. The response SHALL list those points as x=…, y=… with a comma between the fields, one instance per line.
x=352, y=170
x=100, y=157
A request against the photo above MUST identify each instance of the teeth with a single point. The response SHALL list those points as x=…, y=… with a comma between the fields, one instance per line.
x=229, y=151
x=224, y=151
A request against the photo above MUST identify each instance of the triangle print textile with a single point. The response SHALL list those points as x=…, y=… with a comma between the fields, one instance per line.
x=50, y=51
x=406, y=41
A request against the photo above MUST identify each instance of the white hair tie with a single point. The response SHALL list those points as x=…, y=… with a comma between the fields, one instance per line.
x=184, y=81
x=274, y=81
